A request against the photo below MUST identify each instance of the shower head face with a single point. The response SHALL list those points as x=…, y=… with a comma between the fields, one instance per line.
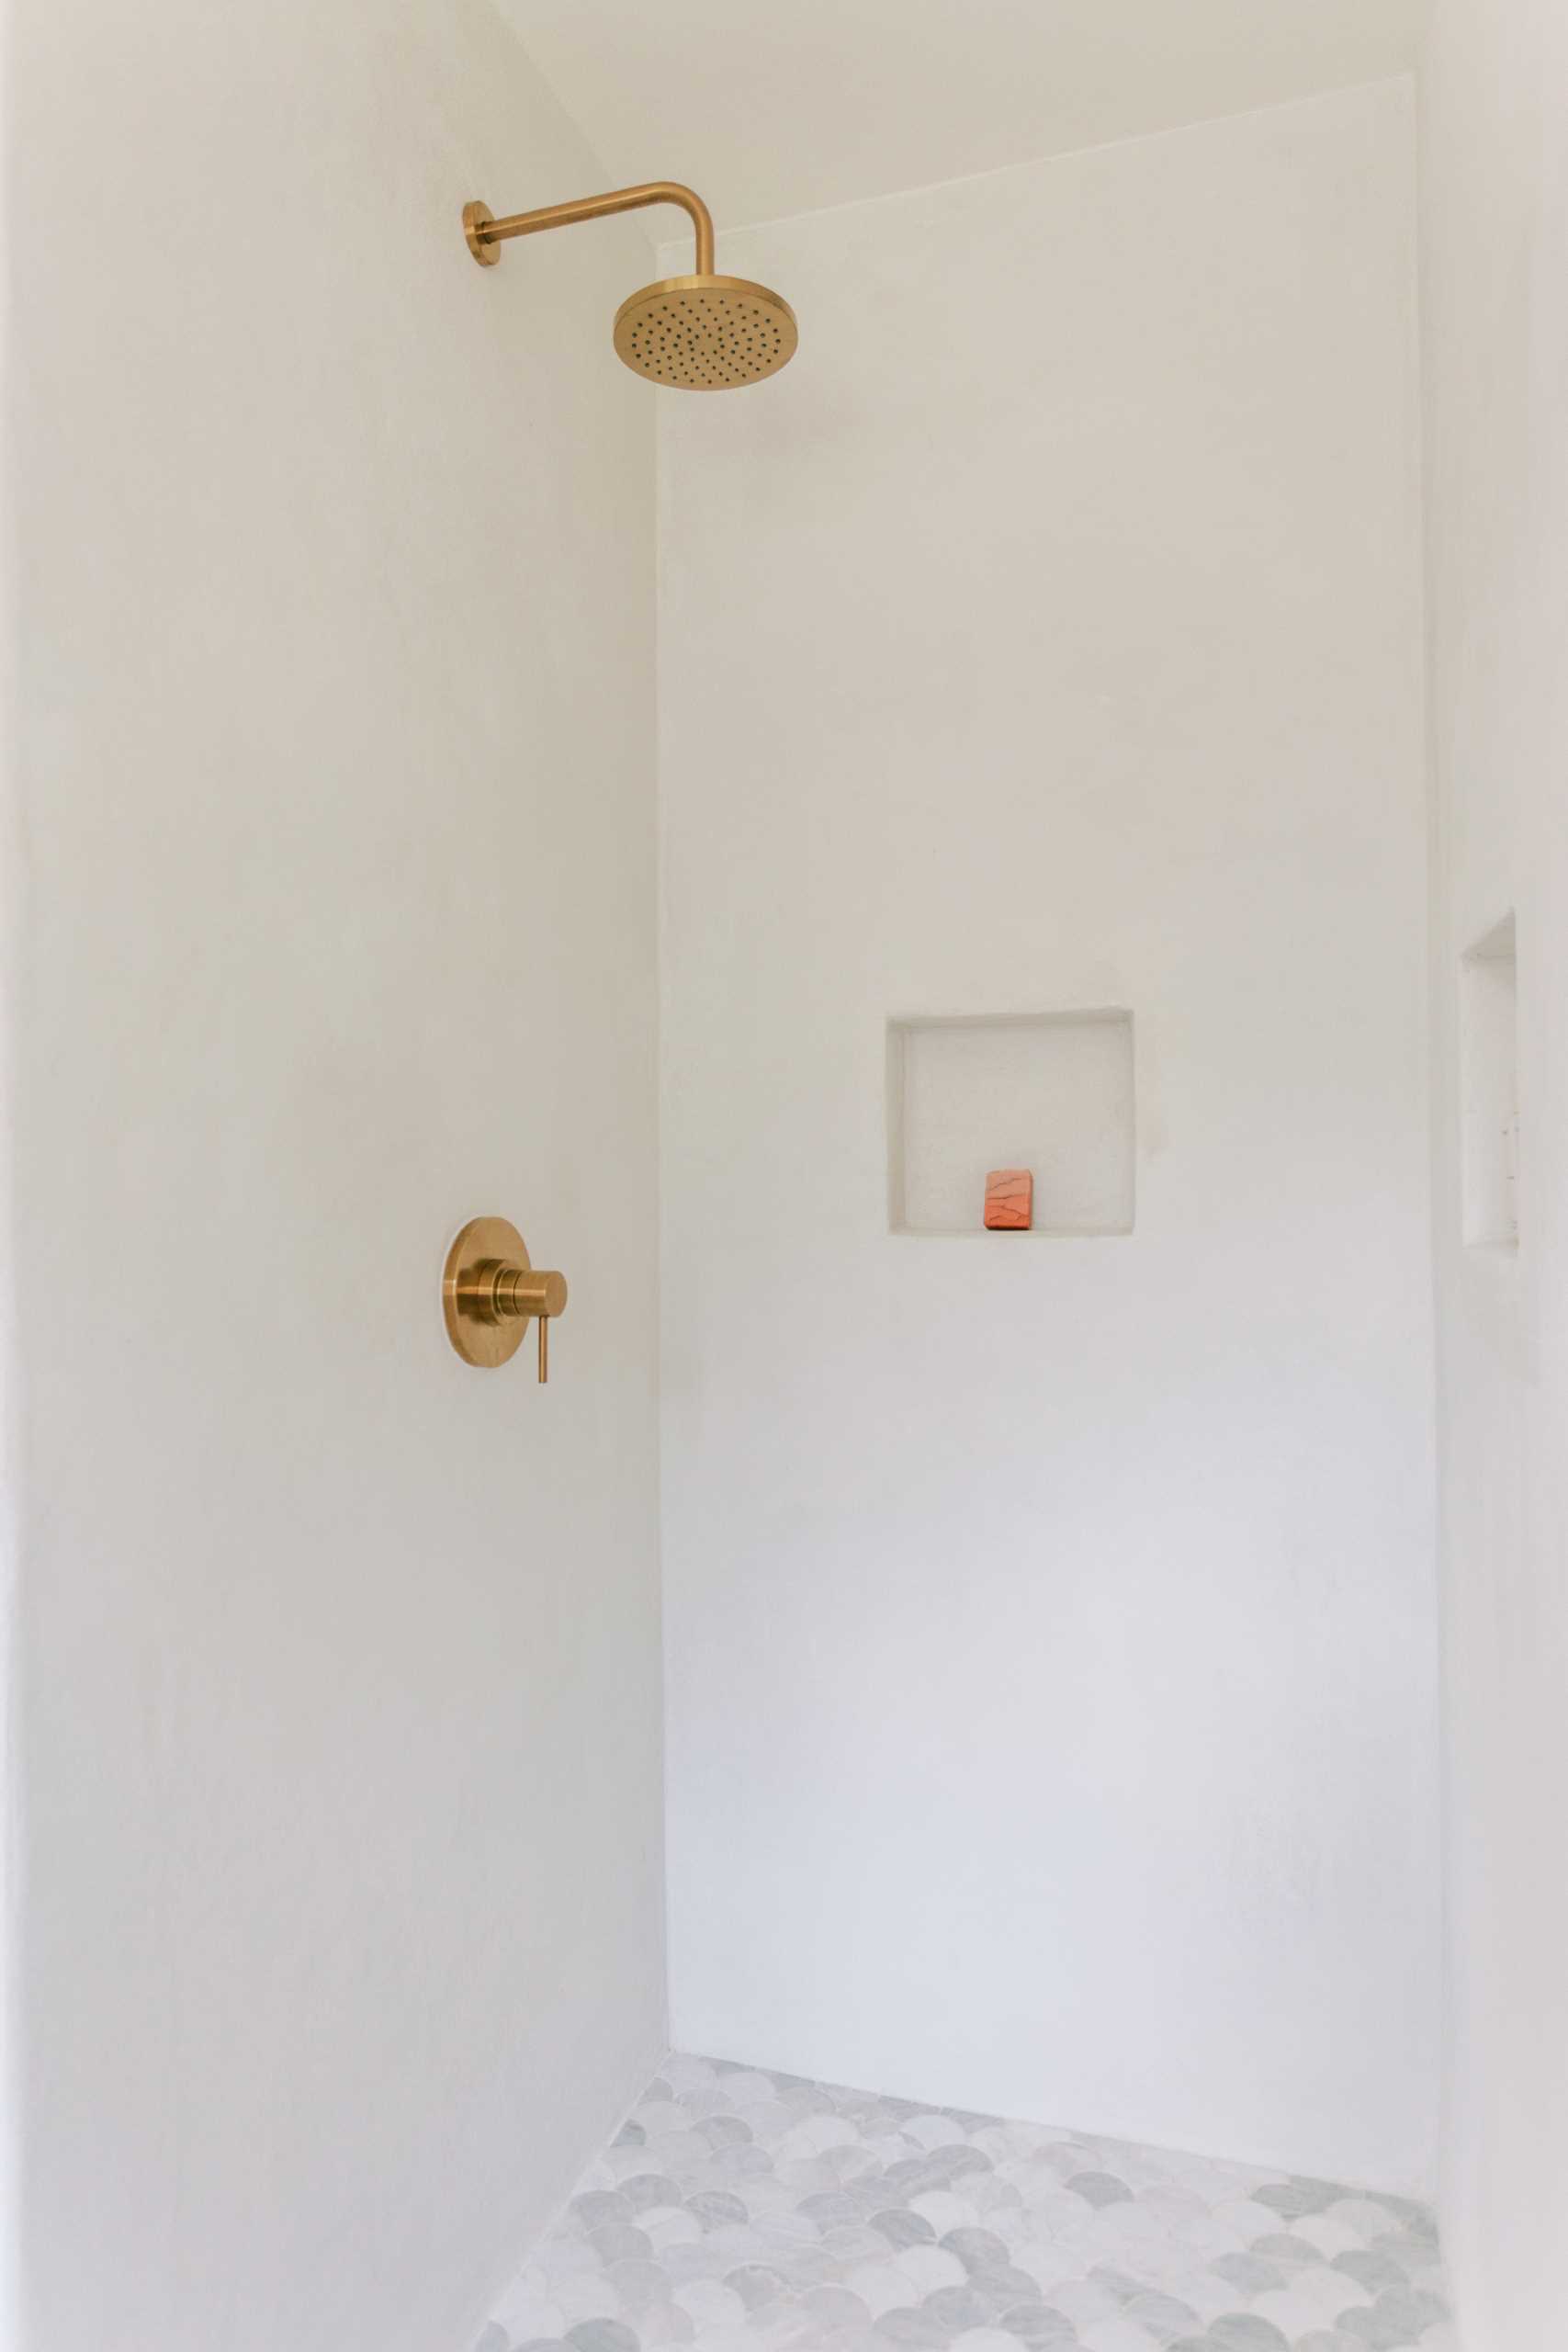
x=705, y=334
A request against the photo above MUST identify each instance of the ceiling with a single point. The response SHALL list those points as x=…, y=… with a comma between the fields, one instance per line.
x=780, y=109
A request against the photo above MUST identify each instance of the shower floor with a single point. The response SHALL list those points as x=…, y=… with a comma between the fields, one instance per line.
x=739, y=2211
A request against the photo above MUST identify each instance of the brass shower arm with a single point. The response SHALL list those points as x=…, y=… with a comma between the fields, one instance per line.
x=485, y=232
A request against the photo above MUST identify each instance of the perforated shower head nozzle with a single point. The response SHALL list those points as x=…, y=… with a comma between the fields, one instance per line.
x=705, y=334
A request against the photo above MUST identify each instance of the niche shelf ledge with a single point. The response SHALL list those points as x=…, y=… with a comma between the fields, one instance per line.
x=1489, y=1092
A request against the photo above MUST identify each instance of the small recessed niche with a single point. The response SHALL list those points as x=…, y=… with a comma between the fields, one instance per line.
x=1049, y=1092
x=1489, y=1054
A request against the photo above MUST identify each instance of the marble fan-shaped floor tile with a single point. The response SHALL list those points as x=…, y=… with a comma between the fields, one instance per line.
x=740, y=2210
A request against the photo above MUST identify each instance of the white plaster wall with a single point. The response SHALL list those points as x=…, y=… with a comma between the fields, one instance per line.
x=338, y=1758
x=1496, y=356
x=1051, y=1625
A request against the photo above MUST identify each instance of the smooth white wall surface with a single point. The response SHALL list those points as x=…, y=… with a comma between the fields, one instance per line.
x=839, y=100
x=1051, y=1626
x=338, y=1760
x=1496, y=354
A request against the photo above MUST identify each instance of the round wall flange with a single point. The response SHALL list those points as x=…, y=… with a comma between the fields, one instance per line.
x=475, y=216
x=484, y=1244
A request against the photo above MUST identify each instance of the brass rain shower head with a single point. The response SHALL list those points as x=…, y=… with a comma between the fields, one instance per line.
x=701, y=333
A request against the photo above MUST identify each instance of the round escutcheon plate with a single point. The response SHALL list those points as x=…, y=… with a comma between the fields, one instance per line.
x=476, y=217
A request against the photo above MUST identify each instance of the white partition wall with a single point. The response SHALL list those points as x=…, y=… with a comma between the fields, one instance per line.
x=337, y=1766
x=1495, y=306
x=1051, y=1621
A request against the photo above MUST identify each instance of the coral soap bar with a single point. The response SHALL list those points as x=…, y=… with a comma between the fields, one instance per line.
x=1009, y=1200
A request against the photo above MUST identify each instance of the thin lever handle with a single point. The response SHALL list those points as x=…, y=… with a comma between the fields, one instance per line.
x=517, y=1292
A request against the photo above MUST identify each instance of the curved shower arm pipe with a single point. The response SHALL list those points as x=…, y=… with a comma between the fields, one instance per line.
x=485, y=232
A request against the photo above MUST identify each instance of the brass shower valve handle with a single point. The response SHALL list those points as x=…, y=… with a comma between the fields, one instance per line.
x=523, y=1290
x=507, y=1293
x=491, y=1292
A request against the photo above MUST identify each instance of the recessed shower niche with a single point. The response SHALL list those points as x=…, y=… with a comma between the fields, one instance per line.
x=1050, y=1092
